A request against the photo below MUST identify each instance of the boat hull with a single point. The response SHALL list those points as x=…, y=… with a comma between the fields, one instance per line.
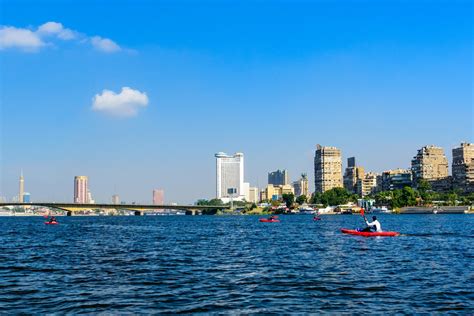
x=369, y=234
x=265, y=220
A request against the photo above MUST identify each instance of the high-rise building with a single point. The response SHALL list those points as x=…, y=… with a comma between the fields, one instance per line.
x=158, y=197
x=429, y=164
x=463, y=167
x=279, y=177
x=115, y=199
x=351, y=162
x=26, y=197
x=396, y=179
x=230, y=177
x=327, y=168
x=301, y=185
x=81, y=189
x=352, y=175
x=368, y=184
x=22, y=188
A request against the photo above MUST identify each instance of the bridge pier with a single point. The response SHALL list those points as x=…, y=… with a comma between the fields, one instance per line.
x=137, y=213
x=193, y=212
x=69, y=213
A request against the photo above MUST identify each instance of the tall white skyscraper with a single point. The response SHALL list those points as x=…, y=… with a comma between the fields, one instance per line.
x=230, y=177
x=21, y=191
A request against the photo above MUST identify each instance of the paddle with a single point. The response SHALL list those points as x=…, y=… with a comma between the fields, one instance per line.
x=362, y=212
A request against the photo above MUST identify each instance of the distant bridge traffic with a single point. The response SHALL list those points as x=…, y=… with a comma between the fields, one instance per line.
x=139, y=209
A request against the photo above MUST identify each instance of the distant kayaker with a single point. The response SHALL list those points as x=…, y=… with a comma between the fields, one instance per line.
x=373, y=226
x=52, y=219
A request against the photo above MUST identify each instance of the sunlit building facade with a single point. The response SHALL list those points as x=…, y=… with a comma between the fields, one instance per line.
x=81, y=189
x=463, y=167
x=327, y=168
x=230, y=177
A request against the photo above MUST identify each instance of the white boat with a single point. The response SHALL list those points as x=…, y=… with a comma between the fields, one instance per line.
x=307, y=211
x=382, y=209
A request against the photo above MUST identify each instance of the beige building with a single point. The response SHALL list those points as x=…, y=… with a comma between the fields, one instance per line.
x=368, y=184
x=463, y=167
x=429, y=164
x=275, y=192
x=327, y=168
x=352, y=175
x=253, y=195
x=301, y=186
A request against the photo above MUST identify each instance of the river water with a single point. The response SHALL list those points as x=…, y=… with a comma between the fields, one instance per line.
x=235, y=264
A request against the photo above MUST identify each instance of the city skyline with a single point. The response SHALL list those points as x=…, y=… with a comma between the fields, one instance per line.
x=429, y=158
x=151, y=99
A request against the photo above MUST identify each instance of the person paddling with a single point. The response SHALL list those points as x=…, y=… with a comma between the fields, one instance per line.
x=52, y=219
x=373, y=226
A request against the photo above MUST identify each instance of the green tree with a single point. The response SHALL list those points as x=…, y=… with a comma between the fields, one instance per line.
x=335, y=196
x=423, y=185
x=425, y=191
x=202, y=202
x=384, y=198
x=301, y=199
x=470, y=198
x=216, y=202
x=452, y=198
x=396, y=199
x=408, y=197
x=289, y=199
x=316, y=198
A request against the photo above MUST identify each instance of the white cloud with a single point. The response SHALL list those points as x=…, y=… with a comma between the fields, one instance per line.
x=27, y=39
x=56, y=29
x=104, y=44
x=23, y=39
x=124, y=104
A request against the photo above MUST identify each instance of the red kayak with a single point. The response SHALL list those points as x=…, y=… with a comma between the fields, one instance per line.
x=51, y=223
x=369, y=234
x=268, y=220
x=316, y=218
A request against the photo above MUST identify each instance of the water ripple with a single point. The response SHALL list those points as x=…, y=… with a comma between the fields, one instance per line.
x=181, y=264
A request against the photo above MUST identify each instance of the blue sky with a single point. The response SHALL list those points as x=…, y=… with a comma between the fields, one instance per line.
x=272, y=79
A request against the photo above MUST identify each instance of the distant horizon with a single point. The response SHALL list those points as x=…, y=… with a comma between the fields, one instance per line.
x=167, y=202
x=141, y=95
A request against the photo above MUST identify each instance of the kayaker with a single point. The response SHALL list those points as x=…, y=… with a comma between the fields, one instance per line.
x=52, y=219
x=373, y=226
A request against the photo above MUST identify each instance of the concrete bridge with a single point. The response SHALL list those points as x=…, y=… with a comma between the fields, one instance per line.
x=139, y=209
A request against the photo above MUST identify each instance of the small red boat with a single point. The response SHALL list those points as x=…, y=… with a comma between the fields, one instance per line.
x=369, y=234
x=273, y=219
x=51, y=223
x=316, y=218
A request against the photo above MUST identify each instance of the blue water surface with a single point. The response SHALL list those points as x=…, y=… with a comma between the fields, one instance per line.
x=235, y=264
